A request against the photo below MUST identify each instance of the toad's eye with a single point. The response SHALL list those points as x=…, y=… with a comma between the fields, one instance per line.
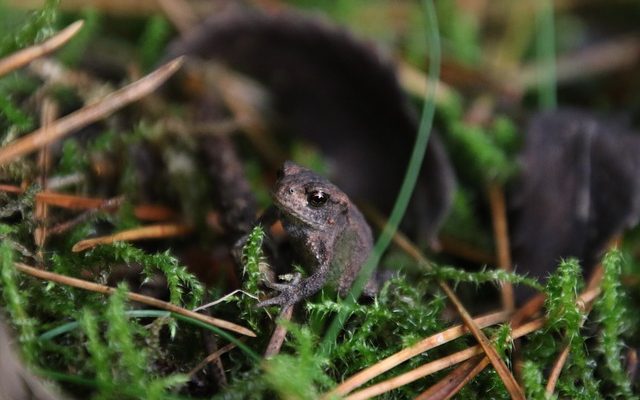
x=280, y=174
x=317, y=198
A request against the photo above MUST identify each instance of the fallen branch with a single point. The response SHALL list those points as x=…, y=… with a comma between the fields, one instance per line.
x=95, y=287
x=89, y=114
x=25, y=56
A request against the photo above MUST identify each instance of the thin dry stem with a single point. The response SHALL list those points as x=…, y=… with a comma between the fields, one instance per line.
x=88, y=114
x=458, y=248
x=554, y=375
x=145, y=232
x=501, y=234
x=605, y=57
x=456, y=380
x=151, y=212
x=94, y=287
x=436, y=365
x=146, y=212
x=107, y=205
x=416, y=82
x=11, y=189
x=71, y=201
x=23, y=57
x=211, y=358
x=48, y=114
x=405, y=354
x=279, y=333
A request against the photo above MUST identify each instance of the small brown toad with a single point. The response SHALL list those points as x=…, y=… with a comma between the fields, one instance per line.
x=328, y=233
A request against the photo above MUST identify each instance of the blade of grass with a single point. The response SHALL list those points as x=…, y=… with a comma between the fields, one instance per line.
x=546, y=49
x=89, y=114
x=23, y=57
x=70, y=326
x=408, y=184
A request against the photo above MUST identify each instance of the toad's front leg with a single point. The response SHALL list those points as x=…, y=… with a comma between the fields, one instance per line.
x=292, y=293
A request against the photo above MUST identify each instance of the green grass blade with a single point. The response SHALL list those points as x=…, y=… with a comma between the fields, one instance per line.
x=409, y=182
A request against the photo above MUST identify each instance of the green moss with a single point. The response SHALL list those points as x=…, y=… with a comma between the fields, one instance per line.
x=153, y=41
x=36, y=27
x=612, y=309
x=253, y=275
x=17, y=303
x=73, y=51
x=458, y=275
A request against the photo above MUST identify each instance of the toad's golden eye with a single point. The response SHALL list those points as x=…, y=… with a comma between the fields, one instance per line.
x=317, y=198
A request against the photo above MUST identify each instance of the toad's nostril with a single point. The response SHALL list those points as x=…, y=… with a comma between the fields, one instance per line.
x=291, y=190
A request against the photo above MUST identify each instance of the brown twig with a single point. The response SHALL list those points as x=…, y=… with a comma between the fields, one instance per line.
x=501, y=234
x=145, y=232
x=426, y=344
x=23, y=57
x=416, y=82
x=515, y=391
x=89, y=114
x=11, y=189
x=437, y=365
x=94, y=287
x=73, y=202
x=612, y=55
x=107, y=205
x=456, y=380
x=151, y=212
x=146, y=212
x=632, y=364
x=458, y=248
x=48, y=115
x=212, y=357
x=279, y=333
